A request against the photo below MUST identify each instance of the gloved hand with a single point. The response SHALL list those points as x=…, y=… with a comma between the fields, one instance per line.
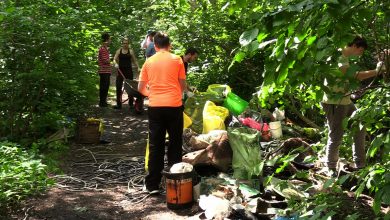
x=191, y=88
x=189, y=94
x=116, y=65
x=380, y=67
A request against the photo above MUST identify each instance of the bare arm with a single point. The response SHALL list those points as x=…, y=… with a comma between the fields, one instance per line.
x=116, y=57
x=183, y=85
x=134, y=59
x=361, y=75
x=142, y=88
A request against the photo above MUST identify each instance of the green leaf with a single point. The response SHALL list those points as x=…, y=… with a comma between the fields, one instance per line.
x=311, y=40
x=322, y=53
x=386, y=194
x=322, y=42
x=248, y=36
x=240, y=56
x=328, y=183
x=261, y=37
x=253, y=46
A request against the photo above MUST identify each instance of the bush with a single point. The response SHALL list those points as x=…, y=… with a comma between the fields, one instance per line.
x=21, y=174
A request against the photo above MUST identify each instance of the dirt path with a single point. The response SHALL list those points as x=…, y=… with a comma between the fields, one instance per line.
x=95, y=181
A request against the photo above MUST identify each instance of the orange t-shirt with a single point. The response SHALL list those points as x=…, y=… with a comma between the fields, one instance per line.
x=162, y=72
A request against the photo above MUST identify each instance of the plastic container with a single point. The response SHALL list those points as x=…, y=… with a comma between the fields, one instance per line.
x=179, y=194
x=235, y=104
x=276, y=129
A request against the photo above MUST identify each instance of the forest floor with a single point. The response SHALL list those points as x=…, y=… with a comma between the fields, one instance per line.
x=95, y=180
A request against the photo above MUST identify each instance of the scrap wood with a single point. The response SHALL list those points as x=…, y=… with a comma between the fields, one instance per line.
x=63, y=133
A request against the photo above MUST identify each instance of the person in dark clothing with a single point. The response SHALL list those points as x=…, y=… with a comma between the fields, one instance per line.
x=190, y=56
x=104, y=69
x=124, y=58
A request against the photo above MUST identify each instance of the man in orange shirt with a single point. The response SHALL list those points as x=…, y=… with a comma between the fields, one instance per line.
x=164, y=75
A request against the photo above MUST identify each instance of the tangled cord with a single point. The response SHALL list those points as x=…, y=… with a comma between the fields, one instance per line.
x=90, y=174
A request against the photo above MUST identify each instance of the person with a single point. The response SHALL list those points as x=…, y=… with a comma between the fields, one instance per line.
x=164, y=75
x=190, y=55
x=124, y=58
x=150, y=50
x=148, y=39
x=338, y=107
x=104, y=69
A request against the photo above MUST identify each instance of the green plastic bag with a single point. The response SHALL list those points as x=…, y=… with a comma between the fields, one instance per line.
x=245, y=144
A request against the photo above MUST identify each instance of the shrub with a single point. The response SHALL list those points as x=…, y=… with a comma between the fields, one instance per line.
x=21, y=174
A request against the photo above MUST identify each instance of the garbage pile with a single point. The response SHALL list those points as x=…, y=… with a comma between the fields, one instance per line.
x=249, y=148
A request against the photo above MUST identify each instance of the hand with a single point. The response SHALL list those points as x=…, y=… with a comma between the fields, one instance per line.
x=191, y=88
x=380, y=67
x=189, y=94
x=116, y=65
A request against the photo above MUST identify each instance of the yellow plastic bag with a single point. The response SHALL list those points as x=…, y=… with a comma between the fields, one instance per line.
x=187, y=121
x=147, y=155
x=214, y=117
x=97, y=120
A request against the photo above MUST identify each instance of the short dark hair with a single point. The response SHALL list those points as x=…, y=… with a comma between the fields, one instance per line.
x=191, y=51
x=105, y=37
x=359, y=42
x=152, y=33
x=161, y=40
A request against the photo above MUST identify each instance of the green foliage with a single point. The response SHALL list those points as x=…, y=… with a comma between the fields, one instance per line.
x=374, y=114
x=21, y=174
x=300, y=40
x=49, y=63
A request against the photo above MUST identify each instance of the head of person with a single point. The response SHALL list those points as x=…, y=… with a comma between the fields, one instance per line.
x=151, y=35
x=106, y=38
x=191, y=54
x=162, y=41
x=125, y=43
x=358, y=45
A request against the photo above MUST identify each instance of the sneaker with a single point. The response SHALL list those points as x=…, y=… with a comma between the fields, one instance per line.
x=351, y=169
x=104, y=142
x=332, y=172
x=329, y=172
x=150, y=192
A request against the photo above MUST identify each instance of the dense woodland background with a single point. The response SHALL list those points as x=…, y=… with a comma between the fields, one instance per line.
x=274, y=53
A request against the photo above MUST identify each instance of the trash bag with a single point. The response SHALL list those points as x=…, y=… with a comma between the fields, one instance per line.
x=245, y=145
x=214, y=117
x=194, y=105
x=218, y=89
